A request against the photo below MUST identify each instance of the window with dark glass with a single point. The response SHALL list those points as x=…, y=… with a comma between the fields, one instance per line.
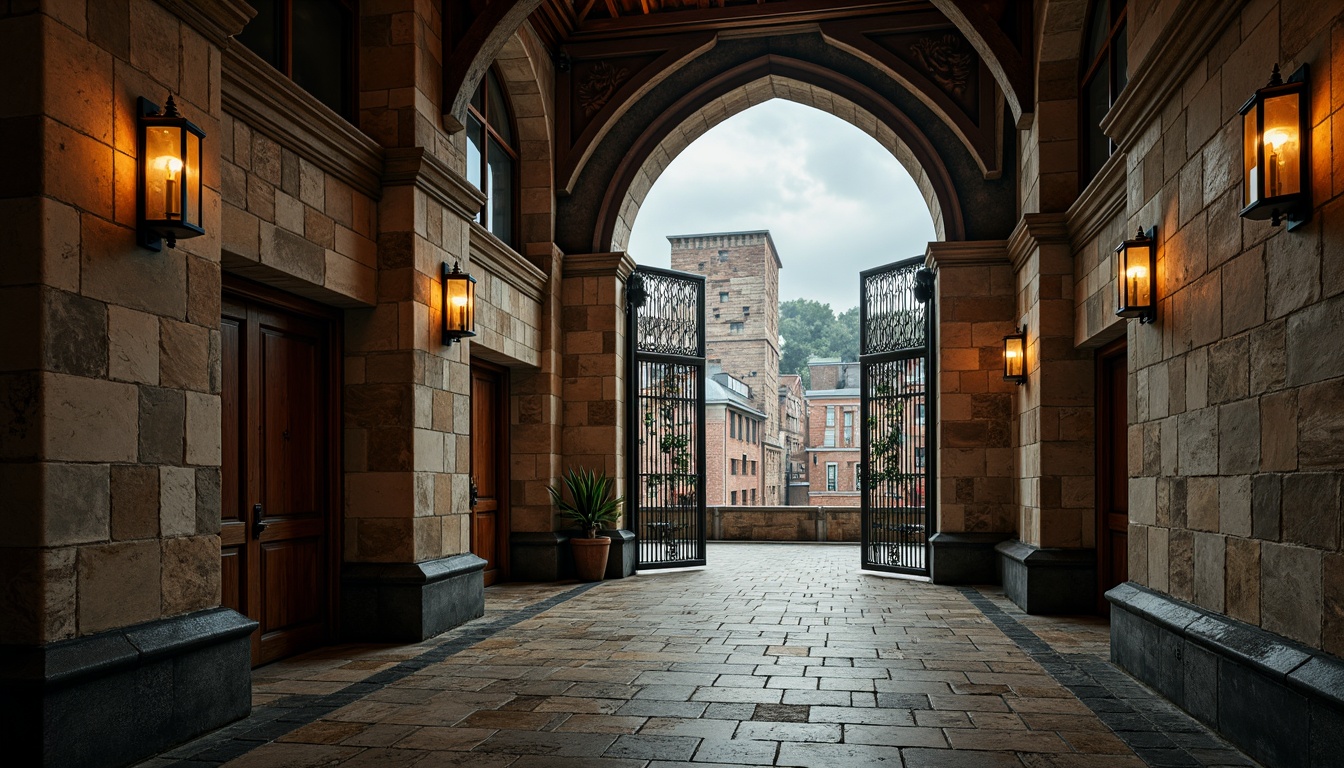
x=492, y=157
x=310, y=41
x=1102, y=77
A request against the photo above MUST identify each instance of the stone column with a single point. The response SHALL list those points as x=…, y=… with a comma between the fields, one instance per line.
x=973, y=312
x=1051, y=567
x=109, y=393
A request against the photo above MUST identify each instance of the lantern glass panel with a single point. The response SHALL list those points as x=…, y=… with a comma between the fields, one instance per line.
x=191, y=173
x=1250, y=160
x=163, y=173
x=1014, y=357
x=460, y=304
x=1283, y=146
x=1135, y=280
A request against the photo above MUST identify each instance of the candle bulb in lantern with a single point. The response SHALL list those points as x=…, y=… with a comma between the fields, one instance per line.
x=171, y=197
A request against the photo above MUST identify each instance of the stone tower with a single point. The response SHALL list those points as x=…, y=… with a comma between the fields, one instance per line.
x=742, y=308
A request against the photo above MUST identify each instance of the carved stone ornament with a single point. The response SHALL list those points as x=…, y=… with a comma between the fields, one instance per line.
x=947, y=60
x=599, y=85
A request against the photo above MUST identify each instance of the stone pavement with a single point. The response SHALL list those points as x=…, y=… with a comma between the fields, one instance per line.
x=777, y=654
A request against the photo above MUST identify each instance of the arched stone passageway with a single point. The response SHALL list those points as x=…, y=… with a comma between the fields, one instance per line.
x=750, y=95
x=596, y=213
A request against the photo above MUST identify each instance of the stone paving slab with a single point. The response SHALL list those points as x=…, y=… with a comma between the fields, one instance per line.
x=777, y=655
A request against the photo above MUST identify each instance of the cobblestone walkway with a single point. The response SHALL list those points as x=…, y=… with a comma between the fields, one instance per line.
x=774, y=655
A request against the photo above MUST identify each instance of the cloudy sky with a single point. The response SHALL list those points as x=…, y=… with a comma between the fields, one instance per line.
x=835, y=201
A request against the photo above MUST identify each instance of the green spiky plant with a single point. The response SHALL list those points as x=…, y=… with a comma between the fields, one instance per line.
x=594, y=505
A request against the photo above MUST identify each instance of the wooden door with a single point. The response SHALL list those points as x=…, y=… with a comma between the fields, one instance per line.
x=1112, y=469
x=489, y=465
x=277, y=528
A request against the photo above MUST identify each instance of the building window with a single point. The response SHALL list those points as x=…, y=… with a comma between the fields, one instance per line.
x=312, y=42
x=1102, y=76
x=723, y=297
x=736, y=328
x=858, y=477
x=919, y=458
x=754, y=466
x=849, y=427
x=733, y=462
x=734, y=497
x=492, y=157
x=753, y=495
x=832, y=473
x=919, y=414
x=732, y=426
x=723, y=256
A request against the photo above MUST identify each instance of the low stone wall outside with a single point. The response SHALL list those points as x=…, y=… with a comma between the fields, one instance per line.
x=784, y=524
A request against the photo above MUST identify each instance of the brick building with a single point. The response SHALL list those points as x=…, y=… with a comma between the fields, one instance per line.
x=793, y=434
x=832, y=444
x=741, y=270
x=261, y=441
x=734, y=444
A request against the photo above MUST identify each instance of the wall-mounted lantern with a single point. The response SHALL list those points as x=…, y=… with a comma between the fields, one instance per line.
x=459, y=304
x=168, y=204
x=1276, y=164
x=1135, y=277
x=1015, y=357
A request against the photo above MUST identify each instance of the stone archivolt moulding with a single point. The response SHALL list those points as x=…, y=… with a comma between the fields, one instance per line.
x=413, y=166
x=966, y=253
x=1191, y=31
x=503, y=263
x=216, y=20
x=272, y=104
x=618, y=265
x=1034, y=231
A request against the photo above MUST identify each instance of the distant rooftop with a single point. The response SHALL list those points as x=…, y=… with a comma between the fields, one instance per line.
x=750, y=233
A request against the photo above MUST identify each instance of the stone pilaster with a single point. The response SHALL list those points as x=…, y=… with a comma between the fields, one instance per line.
x=974, y=308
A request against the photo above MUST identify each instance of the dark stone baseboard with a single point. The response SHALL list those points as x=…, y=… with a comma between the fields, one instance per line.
x=965, y=558
x=117, y=697
x=540, y=556
x=409, y=602
x=624, y=548
x=1045, y=581
x=1279, y=701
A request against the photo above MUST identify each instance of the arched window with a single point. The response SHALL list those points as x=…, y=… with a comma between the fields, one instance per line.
x=1101, y=78
x=310, y=41
x=492, y=157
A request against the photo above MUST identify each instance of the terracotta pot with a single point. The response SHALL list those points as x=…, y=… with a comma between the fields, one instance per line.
x=590, y=557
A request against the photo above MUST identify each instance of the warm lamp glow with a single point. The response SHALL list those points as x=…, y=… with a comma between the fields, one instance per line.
x=1276, y=158
x=459, y=304
x=169, y=198
x=1136, y=263
x=1015, y=357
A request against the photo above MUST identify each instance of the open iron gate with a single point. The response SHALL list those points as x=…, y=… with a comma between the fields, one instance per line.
x=897, y=416
x=665, y=333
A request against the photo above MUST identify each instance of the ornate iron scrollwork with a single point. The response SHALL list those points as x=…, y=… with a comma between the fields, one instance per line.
x=668, y=322
x=896, y=317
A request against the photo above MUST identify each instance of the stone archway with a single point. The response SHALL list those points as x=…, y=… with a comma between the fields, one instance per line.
x=522, y=78
x=772, y=86
x=1054, y=131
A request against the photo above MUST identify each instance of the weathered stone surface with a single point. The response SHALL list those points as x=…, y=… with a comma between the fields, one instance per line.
x=75, y=334
x=190, y=574
x=162, y=425
x=118, y=585
x=1311, y=511
x=1291, y=592
x=1243, y=579
x=77, y=503
x=1198, y=442
x=184, y=356
x=1309, y=359
x=203, y=430
x=133, y=345
x=1209, y=550
x=135, y=502
x=1239, y=437
x=208, y=500
x=177, y=501
x=1320, y=425
x=89, y=419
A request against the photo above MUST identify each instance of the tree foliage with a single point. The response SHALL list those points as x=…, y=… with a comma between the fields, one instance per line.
x=812, y=329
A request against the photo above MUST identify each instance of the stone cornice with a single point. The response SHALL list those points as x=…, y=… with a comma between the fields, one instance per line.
x=504, y=264
x=1194, y=26
x=1033, y=231
x=216, y=20
x=618, y=265
x=966, y=253
x=413, y=166
x=271, y=104
x=1099, y=204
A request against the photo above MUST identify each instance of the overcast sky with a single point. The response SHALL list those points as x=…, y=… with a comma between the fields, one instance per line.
x=835, y=201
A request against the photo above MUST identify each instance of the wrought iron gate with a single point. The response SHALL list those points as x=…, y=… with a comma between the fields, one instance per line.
x=665, y=332
x=896, y=416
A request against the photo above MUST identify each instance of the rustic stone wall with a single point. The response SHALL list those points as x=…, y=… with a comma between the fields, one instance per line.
x=772, y=523
x=1236, y=413
x=110, y=385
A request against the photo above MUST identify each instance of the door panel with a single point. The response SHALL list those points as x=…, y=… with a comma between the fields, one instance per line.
x=278, y=515
x=489, y=430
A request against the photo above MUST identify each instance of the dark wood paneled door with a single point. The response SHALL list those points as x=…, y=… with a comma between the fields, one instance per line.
x=489, y=469
x=277, y=511
x=1112, y=470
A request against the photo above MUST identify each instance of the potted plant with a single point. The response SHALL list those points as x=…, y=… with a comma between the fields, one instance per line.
x=593, y=507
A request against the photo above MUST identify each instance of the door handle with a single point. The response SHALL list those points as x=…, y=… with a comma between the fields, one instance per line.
x=475, y=493
x=257, y=525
